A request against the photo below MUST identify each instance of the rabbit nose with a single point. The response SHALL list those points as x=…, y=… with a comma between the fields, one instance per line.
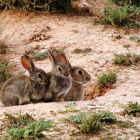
x=87, y=78
x=66, y=74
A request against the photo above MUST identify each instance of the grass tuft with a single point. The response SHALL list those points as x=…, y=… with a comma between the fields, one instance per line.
x=107, y=137
x=20, y=121
x=71, y=110
x=25, y=127
x=31, y=131
x=40, y=56
x=132, y=109
x=107, y=117
x=125, y=124
x=106, y=80
x=126, y=59
x=5, y=73
x=86, y=50
x=92, y=122
x=118, y=16
x=77, y=50
x=135, y=39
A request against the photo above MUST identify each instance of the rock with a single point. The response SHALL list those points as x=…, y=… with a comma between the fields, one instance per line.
x=81, y=6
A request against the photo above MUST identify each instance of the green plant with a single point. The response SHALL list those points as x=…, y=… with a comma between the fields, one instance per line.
x=5, y=73
x=107, y=117
x=106, y=80
x=132, y=109
x=135, y=39
x=23, y=126
x=126, y=45
x=77, y=50
x=3, y=48
x=87, y=122
x=126, y=59
x=18, y=121
x=120, y=15
x=107, y=137
x=32, y=131
x=125, y=124
x=71, y=110
x=40, y=56
x=60, y=51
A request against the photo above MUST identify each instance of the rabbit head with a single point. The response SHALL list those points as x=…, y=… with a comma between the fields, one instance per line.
x=36, y=74
x=60, y=65
x=78, y=74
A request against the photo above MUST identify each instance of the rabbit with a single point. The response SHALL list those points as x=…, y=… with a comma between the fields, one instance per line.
x=22, y=89
x=79, y=77
x=60, y=78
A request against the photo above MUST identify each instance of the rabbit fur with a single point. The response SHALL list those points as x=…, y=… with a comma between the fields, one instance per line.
x=60, y=78
x=22, y=89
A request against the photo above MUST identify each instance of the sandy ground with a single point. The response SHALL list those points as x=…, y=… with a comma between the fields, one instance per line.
x=70, y=32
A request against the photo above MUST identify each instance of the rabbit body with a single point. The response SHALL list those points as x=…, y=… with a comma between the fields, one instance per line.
x=79, y=78
x=22, y=89
x=76, y=92
x=16, y=90
x=59, y=86
x=60, y=78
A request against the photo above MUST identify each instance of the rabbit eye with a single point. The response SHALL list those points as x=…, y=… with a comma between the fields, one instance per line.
x=59, y=68
x=80, y=72
x=39, y=75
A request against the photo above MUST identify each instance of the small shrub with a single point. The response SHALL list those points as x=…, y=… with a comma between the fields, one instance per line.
x=4, y=71
x=32, y=131
x=115, y=16
x=106, y=80
x=77, y=50
x=3, y=48
x=87, y=122
x=107, y=117
x=132, y=109
x=86, y=50
x=126, y=45
x=60, y=51
x=125, y=124
x=126, y=59
x=19, y=121
x=40, y=56
x=25, y=127
x=135, y=39
x=107, y=137
x=29, y=52
x=120, y=15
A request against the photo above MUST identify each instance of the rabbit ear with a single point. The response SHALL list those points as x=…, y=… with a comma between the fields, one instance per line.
x=65, y=60
x=54, y=56
x=27, y=63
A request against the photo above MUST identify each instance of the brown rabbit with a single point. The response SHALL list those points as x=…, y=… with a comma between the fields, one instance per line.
x=60, y=78
x=22, y=89
x=79, y=77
